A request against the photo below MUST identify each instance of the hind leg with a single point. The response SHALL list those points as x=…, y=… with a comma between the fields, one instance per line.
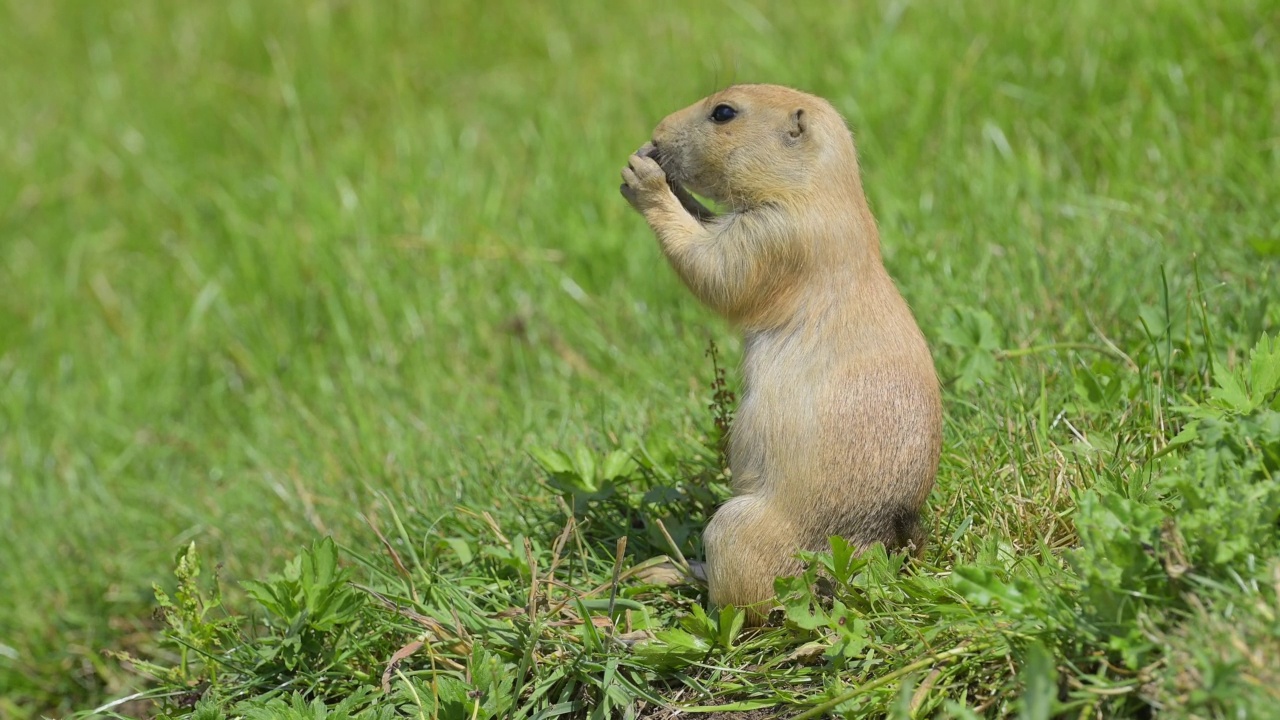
x=748, y=544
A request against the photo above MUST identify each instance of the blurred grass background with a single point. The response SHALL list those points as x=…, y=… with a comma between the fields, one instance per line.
x=261, y=261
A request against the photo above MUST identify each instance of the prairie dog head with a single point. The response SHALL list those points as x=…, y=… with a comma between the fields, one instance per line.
x=753, y=144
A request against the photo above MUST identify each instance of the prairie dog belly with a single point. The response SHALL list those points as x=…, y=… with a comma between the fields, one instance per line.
x=775, y=428
x=835, y=439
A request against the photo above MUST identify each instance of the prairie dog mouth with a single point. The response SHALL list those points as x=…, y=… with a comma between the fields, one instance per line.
x=676, y=181
x=651, y=150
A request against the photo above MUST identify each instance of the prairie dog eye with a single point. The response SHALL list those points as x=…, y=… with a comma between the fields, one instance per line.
x=723, y=113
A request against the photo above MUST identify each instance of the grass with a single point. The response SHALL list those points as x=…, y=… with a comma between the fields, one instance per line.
x=271, y=272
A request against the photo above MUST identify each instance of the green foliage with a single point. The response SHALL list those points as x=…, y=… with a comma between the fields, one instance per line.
x=1211, y=511
x=972, y=334
x=1209, y=519
x=190, y=617
x=296, y=707
x=1250, y=387
x=644, y=488
x=309, y=636
x=306, y=604
x=631, y=485
x=580, y=478
x=1040, y=680
x=1224, y=659
x=1153, y=562
x=1142, y=589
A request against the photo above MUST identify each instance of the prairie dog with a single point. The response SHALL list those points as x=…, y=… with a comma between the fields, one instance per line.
x=839, y=428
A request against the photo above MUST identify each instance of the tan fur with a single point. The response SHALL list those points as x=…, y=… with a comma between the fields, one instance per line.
x=839, y=427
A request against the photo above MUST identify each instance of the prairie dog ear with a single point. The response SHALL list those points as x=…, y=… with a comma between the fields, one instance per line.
x=797, y=125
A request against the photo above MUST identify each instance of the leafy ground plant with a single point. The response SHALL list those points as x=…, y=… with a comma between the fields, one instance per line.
x=544, y=624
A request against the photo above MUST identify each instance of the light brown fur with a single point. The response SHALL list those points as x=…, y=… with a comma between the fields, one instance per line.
x=839, y=427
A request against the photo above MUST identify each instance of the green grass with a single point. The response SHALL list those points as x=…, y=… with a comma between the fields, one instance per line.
x=276, y=271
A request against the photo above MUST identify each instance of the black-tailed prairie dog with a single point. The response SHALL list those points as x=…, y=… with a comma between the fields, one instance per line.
x=840, y=424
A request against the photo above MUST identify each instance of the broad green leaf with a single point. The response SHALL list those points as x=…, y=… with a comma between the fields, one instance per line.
x=1040, y=684
x=1231, y=392
x=584, y=464
x=617, y=464
x=1264, y=369
x=672, y=648
x=461, y=549
x=983, y=587
x=729, y=625
x=553, y=461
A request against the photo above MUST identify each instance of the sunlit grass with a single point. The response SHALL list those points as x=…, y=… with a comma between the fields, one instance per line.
x=265, y=267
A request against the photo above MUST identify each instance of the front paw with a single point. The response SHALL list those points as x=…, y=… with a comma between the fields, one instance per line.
x=644, y=184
